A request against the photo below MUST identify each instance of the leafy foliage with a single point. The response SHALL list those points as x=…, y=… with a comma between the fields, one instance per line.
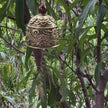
x=22, y=84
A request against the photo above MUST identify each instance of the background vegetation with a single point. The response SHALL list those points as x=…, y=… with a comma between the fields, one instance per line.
x=74, y=75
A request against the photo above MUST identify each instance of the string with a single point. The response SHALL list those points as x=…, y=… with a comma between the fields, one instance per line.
x=43, y=2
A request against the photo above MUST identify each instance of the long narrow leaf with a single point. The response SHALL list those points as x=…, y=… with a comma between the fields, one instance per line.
x=84, y=16
x=28, y=54
x=3, y=11
x=32, y=91
x=50, y=10
x=97, y=72
x=100, y=17
x=20, y=14
x=31, y=5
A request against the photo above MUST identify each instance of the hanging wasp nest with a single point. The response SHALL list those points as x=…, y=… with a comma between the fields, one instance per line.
x=42, y=32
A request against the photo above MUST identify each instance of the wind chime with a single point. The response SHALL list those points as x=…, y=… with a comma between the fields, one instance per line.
x=42, y=31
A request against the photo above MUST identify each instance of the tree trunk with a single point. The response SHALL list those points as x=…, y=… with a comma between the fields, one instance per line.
x=101, y=87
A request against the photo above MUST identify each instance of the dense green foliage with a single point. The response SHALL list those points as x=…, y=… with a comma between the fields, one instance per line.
x=80, y=49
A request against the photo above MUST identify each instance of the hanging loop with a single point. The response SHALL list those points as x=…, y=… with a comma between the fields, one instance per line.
x=42, y=7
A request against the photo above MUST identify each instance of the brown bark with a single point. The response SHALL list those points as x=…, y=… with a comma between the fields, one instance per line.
x=99, y=47
x=102, y=82
x=11, y=45
x=87, y=101
x=101, y=87
x=81, y=79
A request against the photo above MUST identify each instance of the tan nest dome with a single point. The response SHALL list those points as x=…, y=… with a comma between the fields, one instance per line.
x=42, y=32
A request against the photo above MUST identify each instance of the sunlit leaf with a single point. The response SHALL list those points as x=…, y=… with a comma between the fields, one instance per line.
x=3, y=55
x=10, y=68
x=11, y=100
x=84, y=16
x=50, y=10
x=73, y=4
x=0, y=5
x=3, y=11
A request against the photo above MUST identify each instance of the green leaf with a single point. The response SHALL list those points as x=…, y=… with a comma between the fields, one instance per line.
x=31, y=5
x=84, y=54
x=66, y=92
x=100, y=17
x=65, y=6
x=52, y=97
x=0, y=5
x=71, y=44
x=3, y=11
x=7, y=8
x=3, y=55
x=11, y=100
x=28, y=54
x=84, y=16
x=106, y=35
x=32, y=91
x=97, y=72
x=50, y=10
x=24, y=80
x=93, y=6
x=73, y=4
x=83, y=36
x=20, y=14
x=61, y=46
x=106, y=2
x=71, y=96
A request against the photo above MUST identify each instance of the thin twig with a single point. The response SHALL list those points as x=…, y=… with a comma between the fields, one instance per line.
x=10, y=28
x=11, y=18
x=90, y=81
x=11, y=45
x=67, y=64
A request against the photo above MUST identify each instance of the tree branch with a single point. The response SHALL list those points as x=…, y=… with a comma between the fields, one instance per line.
x=11, y=45
x=78, y=72
x=9, y=28
x=90, y=81
x=11, y=18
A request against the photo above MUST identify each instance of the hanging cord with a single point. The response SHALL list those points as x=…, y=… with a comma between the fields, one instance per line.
x=42, y=7
x=43, y=2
